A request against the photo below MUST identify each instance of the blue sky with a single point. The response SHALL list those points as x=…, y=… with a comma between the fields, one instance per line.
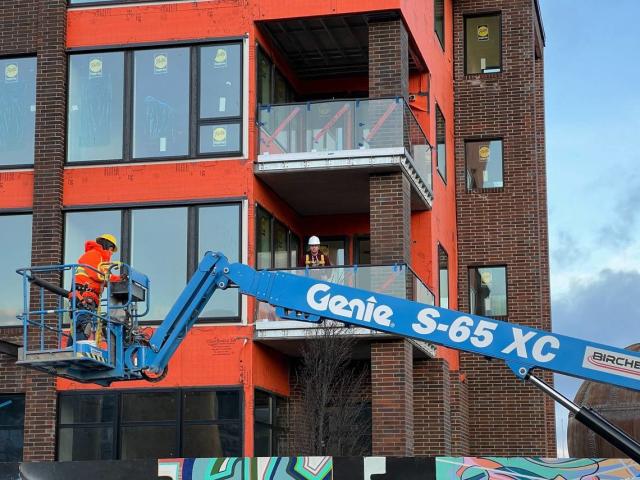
x=592, y=67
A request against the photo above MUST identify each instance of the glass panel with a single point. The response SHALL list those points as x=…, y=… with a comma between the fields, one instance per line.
x=444, y=288
x=220, y=138
x=96, y=102
x=220, y=81
x=262, y=407
x=148, y=442
x=262, y=440
x=161, y=253
x=219, y=231
x=11, y=410
x=488, y=291
x=264, y=78
x=152, y=406
x=202, y=441
x=363, y=251
x=482, y=44
x=87, y=408
x=11, y=445
x=15, y=253
x=329, y=126
x=161, y=103
x=438, y=7
x=280, y=251
x=282, y=129
x=280, y=89
x=336, y=250
x=441, y=146
x=17, y=110
x=294, y=250
x=379, y=123
x=484, y=164
x=263, y=240
x=220, y=405
x=85, y=443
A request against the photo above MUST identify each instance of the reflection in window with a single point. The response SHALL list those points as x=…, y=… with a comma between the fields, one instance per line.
x=160, y=253
x=265, y=73
x=482, y=41
x=268, y=427
x=488, y=291
x=17, y=110
x=96, y=102
x=161, y=103
x=443, y=285
x=438, y=8
x=220, y=81
x=11, y=427
x=15, y=253
x=441, y=144
x=263, y=239
x=484, y=164
x=280, y=250
x=276, y=245
x=219, y=231
x=294, y=249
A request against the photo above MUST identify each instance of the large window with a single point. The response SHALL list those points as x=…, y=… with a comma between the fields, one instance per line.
x=484, y=164
x=15, y=253
x=141, y=104
x=483, y=44
x=488, y=291
x=272, y=86
x=17, y=110
x=441, y=144
x=276, y=245
x=149, y=424
x=443, y=281
x=438, y=8
x=166, y=244
x=268, y=415
x=11, y=427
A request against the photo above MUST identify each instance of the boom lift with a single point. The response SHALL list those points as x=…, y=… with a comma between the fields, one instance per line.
x=126, y=353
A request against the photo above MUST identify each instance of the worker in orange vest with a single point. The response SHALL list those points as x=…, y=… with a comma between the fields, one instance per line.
x=89, y=283
x=314, y=257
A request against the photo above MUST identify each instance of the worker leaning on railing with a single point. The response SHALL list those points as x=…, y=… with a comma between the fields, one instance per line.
x=89, y=283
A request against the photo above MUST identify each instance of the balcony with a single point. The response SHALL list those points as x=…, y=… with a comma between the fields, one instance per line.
x=318, y=156
x=397, y=280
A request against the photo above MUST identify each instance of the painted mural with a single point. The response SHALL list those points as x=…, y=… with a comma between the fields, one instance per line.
x=526, y=468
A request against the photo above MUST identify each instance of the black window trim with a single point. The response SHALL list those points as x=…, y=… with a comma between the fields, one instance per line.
x=489, y=13
x=444, y=24
x=443, y=178
x=290, y=234
x=195, y=122
x=191, y=259
x=488, y=138
x=475, y=266
x=272, y=425
x=439, y=247
x=116, y=3
x=30, y=165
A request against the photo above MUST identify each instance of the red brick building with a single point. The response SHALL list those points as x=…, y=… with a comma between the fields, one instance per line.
x=408, y=135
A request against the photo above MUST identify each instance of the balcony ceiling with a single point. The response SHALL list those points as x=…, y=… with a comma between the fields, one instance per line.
x=321, y=47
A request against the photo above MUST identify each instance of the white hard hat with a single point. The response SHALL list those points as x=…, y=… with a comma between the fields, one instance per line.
x=314, y=240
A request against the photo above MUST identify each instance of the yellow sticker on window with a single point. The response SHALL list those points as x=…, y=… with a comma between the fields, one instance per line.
x=484, y=153
x=220, y=60
x=486, y=277
x=95, y=67
x=219, y=136
x=160, y=63
x=483, y=33
x=11, y=73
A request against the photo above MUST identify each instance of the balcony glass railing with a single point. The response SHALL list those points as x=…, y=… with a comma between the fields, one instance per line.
x=396, y=280
x=342, y=125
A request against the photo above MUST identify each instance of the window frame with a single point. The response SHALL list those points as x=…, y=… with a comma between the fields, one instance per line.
x=291, y=235
x=483, y=140
x=490, y=13
x=444, y=23
x=274, y=428
x=179, y=420
x=3, y=428
x=194, y=81
x=442, y=174
x=30, y=165
x=115, y=3
x=193, y=237
x=440, y=248
x=506, y=287
x=261, y=51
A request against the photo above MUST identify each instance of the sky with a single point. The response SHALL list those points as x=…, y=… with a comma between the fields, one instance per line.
x=592, y=67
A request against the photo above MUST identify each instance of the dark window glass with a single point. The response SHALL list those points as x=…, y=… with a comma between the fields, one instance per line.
x=482, y=37
x=280, y=250
x=161, y=103
x=149, y=407
x=265, y=73
x=267, y=427
x=11, y=411
x=212, y=405
x=11, y=427
x=220, y=138
x=220, y=81
x=87, y=409
x=17, y=110
x=263, y=243
x=15, y=253
x=484, y=164
x=488, y=291
x=438, y=7
x=219, y=231
x=262, y=440
x=443, y=284
x=153, y=441
x=161, y=253
x=441, y=145
x=262, y=407
x=96, y=102
x=85, y=443
x=294, y=250
x=224, y=440
x=363, y=251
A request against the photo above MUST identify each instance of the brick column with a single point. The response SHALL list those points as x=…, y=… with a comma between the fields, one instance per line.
x=432, y=407
x=388, y=59
x=459, y=415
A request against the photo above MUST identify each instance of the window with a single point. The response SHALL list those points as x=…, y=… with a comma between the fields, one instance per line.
x=441, y=144
x=17, y=110
x=484, y=164
x=11, y=427
x=438, y=8
x=483, y=44
x=167, y=255
x=363, y=250
x=273, y=87
x=15, y=253
x=276, y=245
x=140, y=104
x=488, y=291
x=118, y=425
x=268, y=414
x=443, y=283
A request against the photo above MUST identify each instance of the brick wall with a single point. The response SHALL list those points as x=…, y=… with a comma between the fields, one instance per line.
x=459, y=414
x=388, y=59
x=432, y=407
x=505, y=226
